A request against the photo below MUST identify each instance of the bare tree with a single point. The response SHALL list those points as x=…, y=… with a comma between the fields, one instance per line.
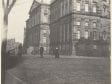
x=7, y=6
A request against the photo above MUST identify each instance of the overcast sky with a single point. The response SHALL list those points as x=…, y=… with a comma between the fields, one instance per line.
x=17, y=18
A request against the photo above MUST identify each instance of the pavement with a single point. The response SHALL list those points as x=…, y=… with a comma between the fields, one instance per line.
x=62, y=56
x=13, y=79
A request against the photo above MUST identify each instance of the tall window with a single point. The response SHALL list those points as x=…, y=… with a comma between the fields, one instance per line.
x=104, y=8
x=44, y=40
x=78, y=23
x=94, y=24
x=61, y=36
x=94, y=35
x=64, y=32
x=86, y=24
x=78, y=6
x=104, y=35
x=94, y=8
x=86, y=7
x=86, y=35
x=68, y=32
x=78, y=34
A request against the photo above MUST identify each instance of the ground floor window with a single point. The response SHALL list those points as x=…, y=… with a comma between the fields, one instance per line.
x=104, y=35
x=94, y=35
x=78, y=34
x=86, y=34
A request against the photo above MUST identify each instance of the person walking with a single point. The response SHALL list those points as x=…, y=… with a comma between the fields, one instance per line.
x=20, y=51
x=41, y=51
x=57, y=53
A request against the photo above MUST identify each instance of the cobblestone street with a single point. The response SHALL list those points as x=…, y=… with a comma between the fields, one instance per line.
x=48, y=70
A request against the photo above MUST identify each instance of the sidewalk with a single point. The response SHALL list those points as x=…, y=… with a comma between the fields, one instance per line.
x=11, y=79
x=71, y=56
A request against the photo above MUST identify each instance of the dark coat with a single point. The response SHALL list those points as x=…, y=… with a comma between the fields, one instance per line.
x=56, y=53
x=41, y=50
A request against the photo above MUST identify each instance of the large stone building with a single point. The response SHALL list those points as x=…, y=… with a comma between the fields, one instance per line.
x=72, y=20
x=37, y=28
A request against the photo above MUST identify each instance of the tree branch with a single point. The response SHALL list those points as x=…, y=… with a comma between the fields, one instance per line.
x=3, y=4
x=11, y=5
x=7, y=3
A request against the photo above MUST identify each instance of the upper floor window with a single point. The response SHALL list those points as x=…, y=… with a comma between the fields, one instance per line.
x=94, y=24
x=86, y=7
x=94, y=8
x=45, y=12
x=44, y=40
x=78, y=8
x=104, y=8
x=86, y=24
x=78, y=23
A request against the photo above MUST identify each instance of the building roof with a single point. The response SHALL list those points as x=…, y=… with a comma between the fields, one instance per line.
x=37, y=3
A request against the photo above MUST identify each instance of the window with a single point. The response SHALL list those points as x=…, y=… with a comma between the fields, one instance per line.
x=45, y=12
x=78, y=23
x=86, y=7
x=94, y=35
x=45, y=48
x=44, y=32
x=64, y=33
x=86, y=24
x=86, y=34
x=78, y=34
x=94, y=8
x=104, y=8
x=94, y=24
x=78, y=7
x=104, y=35
x=44, y=40
x=68, y=32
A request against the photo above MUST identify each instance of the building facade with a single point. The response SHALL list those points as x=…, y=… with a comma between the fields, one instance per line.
x=13, y=46
x=37, y=28
x=72, y=20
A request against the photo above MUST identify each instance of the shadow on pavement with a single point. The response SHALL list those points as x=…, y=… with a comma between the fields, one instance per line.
x=12, y=61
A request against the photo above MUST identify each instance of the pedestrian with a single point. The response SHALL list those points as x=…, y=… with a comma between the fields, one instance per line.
x=56, y=52
x=20, y=51
x=41, y=51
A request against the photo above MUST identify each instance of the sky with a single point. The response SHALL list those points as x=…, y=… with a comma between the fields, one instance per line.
x=17, y=18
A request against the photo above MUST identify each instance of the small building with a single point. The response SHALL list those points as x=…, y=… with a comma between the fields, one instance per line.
x=13, y=46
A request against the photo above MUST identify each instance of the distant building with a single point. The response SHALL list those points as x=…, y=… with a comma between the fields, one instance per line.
x=13, y=46
x=72, y=20
x=10, y=44
x=37, y=28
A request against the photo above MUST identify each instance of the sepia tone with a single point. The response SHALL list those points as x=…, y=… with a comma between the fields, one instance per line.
x=65, y=42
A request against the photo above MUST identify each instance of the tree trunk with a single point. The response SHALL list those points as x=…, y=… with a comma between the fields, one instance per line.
x=3, y=51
